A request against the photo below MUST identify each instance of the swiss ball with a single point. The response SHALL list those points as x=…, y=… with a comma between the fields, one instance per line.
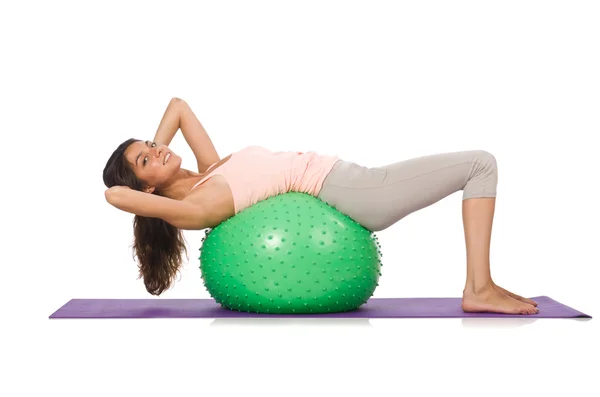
x=290, y=254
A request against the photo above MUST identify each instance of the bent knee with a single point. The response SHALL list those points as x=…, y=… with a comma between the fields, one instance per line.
x=486, y=159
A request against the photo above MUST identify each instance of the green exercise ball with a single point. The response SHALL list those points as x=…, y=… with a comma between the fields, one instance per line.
x=290, y=254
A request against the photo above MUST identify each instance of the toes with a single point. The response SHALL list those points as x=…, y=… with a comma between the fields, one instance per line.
x=532, y=302
x=529, y=309
x=533, y=310
x=515, y=296
x=526, y=300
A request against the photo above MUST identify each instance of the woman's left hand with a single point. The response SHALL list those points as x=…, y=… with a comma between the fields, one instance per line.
x=110, y=193
x=119, y=188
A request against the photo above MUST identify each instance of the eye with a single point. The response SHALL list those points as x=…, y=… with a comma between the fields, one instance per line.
x=152, y=144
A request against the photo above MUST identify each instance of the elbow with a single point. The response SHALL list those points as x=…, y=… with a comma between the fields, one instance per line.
x=177, y=101
x=108, y=195
x=112, y=196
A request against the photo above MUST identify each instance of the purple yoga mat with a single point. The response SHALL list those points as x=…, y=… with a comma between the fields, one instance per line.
x=374, y=308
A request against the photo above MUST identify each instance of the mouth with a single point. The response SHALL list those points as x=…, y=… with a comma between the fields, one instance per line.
x=167, y=157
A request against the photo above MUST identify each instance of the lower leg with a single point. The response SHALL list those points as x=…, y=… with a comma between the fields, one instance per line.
x=478, y=216
x=481, y=293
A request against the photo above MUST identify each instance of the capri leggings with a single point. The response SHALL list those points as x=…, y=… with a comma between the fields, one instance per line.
x=378, y=197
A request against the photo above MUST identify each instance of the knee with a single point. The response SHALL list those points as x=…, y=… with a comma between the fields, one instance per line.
x=486, y=159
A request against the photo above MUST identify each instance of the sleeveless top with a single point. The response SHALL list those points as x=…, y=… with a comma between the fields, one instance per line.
x=255, y=173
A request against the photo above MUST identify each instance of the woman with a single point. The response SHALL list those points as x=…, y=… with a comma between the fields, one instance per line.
x=145, y=178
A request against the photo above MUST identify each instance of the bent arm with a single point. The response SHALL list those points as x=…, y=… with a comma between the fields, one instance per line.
x=197, y=138
x=179, y=213
x=179, y=115
x=169, y=124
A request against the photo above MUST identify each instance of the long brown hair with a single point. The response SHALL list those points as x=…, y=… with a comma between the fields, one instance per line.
x=157, y=244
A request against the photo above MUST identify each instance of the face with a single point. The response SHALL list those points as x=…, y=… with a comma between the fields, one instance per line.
x=154, y=164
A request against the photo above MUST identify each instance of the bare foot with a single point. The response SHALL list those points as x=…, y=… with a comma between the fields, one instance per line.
x=492, y=300
x=515, y=296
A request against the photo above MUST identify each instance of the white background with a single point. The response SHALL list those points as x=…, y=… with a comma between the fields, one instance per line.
x=373, y=82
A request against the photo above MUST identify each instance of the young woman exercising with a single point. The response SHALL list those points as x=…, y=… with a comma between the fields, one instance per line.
x=145, y=178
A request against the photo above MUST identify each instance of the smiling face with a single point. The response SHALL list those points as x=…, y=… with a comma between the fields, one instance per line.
x=154, y=164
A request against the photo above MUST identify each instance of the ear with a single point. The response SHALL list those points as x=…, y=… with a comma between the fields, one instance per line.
x=149, y=189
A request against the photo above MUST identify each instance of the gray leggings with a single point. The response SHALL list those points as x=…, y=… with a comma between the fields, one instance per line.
x=379, y=197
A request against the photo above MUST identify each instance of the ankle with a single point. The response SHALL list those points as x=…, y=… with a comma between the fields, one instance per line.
x=478, y=288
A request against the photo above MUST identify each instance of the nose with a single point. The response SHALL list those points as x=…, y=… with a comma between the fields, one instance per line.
x=158, y=150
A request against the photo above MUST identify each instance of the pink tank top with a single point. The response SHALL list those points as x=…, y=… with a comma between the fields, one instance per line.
x=255, y=173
